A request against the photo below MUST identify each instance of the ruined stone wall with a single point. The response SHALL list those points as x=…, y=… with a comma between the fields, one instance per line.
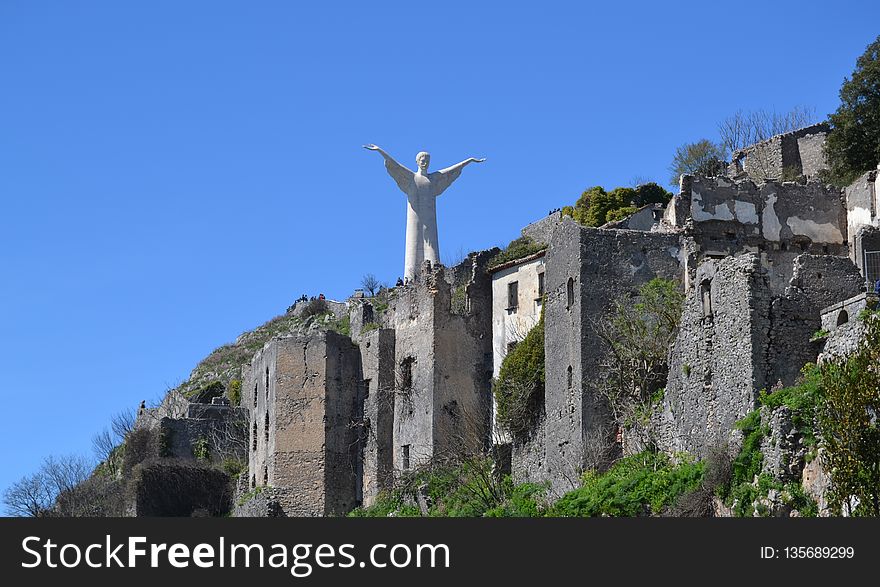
x=528, y=454
x=793, y=153
x=178, y=489
x=778, y=221
x=586, y=270
x=861, y=214
x=811, y=149
x=541, y=230
x=718, y=361
x=377, y=360
x=442, y=322
x=411, y=315
x=847, y=310
x=343, y=413
x=306, y=388
x=817, y=282
x=221, y=431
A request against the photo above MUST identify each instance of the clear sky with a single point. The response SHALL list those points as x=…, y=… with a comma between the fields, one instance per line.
x=174, y=173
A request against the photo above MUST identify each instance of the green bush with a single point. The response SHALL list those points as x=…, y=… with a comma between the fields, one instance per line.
x=205, y=393
x=596, y=207
x=201, y=449
x=849, y=425
x=643, y=484
x=315, y=307
x=233, y=467
x=853, y=146
x=233, y=391
x=517, y=249
x=819, y=335
x=468, y=489
x=802, y=399
x=520, y=384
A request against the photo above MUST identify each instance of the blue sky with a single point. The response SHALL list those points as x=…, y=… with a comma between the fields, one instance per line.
x=174, y=173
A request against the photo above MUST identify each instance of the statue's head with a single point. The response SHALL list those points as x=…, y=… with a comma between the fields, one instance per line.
x=423, y=159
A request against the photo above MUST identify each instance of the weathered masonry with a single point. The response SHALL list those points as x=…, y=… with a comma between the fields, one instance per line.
x=304, y=394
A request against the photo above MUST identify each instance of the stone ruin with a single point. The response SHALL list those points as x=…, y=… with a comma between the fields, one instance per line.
x=764, y=263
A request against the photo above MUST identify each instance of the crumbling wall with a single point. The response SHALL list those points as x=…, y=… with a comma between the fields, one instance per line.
x=377, y=360
x=811, y=150
x=798, y=152
x=796, y=316
x=442, y=324
x=541, y=230
x=862, y=210
x=586, y=269
x=304, y=438
x=168, y=488
x=718, y=361
x=778, y=221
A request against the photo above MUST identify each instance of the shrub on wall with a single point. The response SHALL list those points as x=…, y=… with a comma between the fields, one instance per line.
x=517, y=249
x=234, y=392
x=520, y=384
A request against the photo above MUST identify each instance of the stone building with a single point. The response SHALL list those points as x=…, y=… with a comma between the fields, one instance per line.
x=442, y=362
x=784, y=156
x=757, y=260
x=778, y=221
x=305, y=396
x=585, y=270
x=517, y=293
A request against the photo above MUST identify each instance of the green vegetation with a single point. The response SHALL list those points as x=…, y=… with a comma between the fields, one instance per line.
x=342, y=326
x=233, y=391
x=520, y=383
x=701, y=158
x=467, y=489
x=866, y=313
x=596, y=207
x=803, y=400
x=201, y=449
x=251, y=494
x=638, y=337
x=849, y=425
x=819, y=335
x=643, y=484
x=233, y=467
x=459, y=300
x=368, y=326
x=517, y=249
x=205, y=393
x=748, y=484
x=853, y=146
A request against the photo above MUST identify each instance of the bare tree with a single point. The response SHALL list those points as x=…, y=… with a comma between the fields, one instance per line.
x=36, y=495
x=29, y=497
x=122, y=424
x=103, y=445
x=228, y=440
x=637, y=336
x=743, y=129
x=370, y=284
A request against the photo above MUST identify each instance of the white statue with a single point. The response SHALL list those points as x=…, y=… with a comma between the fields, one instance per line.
x=421, y=189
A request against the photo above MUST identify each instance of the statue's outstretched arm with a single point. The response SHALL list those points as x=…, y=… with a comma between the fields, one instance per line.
x=459, y=166
x=372, y=147
x=402, y=176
